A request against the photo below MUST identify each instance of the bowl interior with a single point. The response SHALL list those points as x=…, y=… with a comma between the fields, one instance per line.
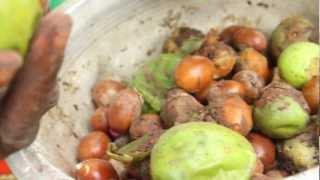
x=111, y=39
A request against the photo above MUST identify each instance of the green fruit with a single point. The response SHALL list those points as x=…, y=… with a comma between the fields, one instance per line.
x=290, y=30
x=202, y=151
x=299, y=63
x=18, y=20
x=280, y=118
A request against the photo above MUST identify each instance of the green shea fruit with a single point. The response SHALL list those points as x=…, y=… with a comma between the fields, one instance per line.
x=18, y=20
x=281, y=118
x=202, y=151
x=299, y=63
x=290, y=30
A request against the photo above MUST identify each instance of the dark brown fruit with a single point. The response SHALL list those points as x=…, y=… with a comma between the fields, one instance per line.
x=95, y=169
x=264, y=148
x=232, y=112
x=98, y=120
x=194, y=73
x=223, y=58
x=104, y=92
x=225, y=87
x=125, y=108
x=94, y=145
x=250, y=59
x=201, y=96
x=253, y=84
x=146, y=124
x=311, y=94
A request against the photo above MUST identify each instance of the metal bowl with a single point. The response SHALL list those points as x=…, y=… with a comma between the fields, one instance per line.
x=110, y=39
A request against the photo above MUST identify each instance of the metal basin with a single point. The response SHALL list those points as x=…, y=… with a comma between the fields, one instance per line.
x=110, y=39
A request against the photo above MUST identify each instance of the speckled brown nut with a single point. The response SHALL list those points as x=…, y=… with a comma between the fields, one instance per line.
x=225, y=87
x=223, y=58
x=146, y=124
x=232, y=112
x=250, y=59
x=105, y=91
x=253, y=84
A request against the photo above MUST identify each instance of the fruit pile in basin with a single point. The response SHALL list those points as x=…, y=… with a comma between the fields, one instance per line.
x=223, y=105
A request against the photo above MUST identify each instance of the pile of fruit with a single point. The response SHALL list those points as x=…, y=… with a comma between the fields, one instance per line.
x=221, y=105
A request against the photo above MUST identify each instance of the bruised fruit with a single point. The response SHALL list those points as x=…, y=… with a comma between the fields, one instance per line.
x=233, y=112
x=105, y=91
x=94, y=145
x=311, y=94
x=250, y=59
x=252, y=83
x=18, y=19
x=180, y=107
x=282, y=111
x=225, y=87
x=223, y=57
x=95, y=169
x=299, y=62
x=146, y=124
x=300, y=152
x=265, y=149
x=202, y=150
x=125, y=108
x=290, y=30
x=194, y=73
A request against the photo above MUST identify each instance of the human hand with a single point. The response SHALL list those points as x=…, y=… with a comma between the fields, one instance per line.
x=28, y=90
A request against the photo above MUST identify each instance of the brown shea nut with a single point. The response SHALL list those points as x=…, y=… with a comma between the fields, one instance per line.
x=98, y=120
x=223, y=58
x=253, y=84
x=194, y=73
x=243, y=37
x=232, y=112
x=311, y=94
x=125, y=108
x=146, y=124
x=265, y=149
x=250, y=59
x=225, y=87
x=104, y=92
x=94, y=145
x=95, y=169
x=201, y=96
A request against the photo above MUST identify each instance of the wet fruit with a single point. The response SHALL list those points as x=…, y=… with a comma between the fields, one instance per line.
x=299, y=62
x=202, y=150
